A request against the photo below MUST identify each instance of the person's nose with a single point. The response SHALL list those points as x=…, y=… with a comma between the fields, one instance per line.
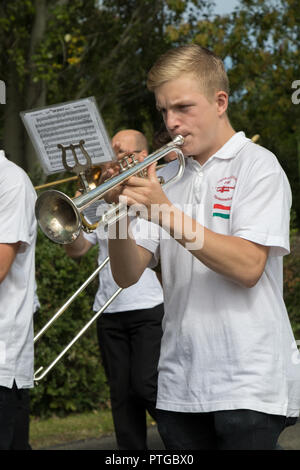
x=171, y=121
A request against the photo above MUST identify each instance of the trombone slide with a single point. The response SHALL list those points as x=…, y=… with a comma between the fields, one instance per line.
x=70, y=300
x=39, y=375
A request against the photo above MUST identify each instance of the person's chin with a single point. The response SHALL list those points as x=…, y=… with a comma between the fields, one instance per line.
x=188, y=144
x=187, y=150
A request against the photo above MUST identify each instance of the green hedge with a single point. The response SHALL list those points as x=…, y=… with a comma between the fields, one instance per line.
x=292, y=291
x=291, y=288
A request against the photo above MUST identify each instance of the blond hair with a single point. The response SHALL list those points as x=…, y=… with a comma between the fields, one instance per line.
x=199, y=61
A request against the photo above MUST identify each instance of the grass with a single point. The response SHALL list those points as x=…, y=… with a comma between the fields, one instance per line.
x=75, y=427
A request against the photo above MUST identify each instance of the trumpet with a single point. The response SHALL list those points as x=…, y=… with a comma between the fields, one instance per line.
x=60, y=217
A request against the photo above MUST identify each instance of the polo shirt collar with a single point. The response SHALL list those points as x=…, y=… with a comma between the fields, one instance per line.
x=232, y=147
x=2, y=156
x=229, y=150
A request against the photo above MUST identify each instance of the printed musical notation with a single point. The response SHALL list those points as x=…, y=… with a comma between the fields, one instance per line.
x=66, y=124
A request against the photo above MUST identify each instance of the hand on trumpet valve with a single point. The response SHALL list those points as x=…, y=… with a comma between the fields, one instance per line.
x=145, y=192
x=109, y=170
x=126, y=159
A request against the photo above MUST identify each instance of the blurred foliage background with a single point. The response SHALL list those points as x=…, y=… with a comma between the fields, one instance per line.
x=60, y=50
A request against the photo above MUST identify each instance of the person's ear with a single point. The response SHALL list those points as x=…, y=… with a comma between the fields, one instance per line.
x=221, y=102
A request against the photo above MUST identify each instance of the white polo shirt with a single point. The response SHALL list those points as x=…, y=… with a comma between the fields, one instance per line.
x=17, y=224
x=147, y=293
x=225, y=346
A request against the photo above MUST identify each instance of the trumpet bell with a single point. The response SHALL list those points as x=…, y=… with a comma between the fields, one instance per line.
x=58, y=217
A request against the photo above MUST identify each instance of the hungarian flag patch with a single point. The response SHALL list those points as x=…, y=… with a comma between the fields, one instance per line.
x=221, y=211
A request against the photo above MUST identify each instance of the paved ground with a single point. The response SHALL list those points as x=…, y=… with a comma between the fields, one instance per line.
x=289, y=440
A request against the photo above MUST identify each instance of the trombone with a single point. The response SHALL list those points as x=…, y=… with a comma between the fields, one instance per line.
x=93, y=175
x=60, y=217
x=58, y=206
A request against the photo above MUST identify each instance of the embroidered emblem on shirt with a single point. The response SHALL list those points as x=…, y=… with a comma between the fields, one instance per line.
x=221, y=211
x=225, y=188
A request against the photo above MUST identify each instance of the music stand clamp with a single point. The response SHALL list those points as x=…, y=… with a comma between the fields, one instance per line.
x=79, y=168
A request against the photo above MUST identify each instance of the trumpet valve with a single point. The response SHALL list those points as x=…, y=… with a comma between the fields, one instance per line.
x=127, y=162
x=122, y=167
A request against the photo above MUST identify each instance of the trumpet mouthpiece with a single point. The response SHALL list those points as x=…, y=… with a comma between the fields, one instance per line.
x=178, y=140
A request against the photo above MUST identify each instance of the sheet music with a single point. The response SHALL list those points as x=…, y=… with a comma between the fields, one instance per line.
x=66, y=124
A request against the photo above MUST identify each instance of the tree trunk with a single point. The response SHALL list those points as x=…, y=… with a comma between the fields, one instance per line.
x=13, y=127
x=35, y=91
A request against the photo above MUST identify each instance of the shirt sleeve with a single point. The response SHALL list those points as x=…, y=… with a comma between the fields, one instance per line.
x=91, y=237
x=18, y=222
x=147, y=235
x=261, y=210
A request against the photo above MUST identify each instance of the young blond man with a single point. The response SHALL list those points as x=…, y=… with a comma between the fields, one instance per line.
x=229, y=365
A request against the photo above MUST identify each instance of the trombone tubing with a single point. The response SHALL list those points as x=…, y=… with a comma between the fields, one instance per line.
x=70, y=300
x=83, y=330
x=54, y=183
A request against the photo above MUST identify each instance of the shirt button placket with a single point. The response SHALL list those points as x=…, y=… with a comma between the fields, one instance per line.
x=198, y=192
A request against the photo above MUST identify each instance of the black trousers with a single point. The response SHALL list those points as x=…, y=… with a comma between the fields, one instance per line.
x=130, y=345
x=220, y=430
x=14, y=418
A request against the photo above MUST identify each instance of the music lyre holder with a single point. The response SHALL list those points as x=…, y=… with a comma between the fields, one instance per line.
x=79, y=168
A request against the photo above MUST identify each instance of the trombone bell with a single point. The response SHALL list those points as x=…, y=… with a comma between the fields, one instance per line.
x=58, y=217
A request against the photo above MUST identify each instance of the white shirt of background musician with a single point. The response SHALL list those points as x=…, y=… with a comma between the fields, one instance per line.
x=146, y=293
x=225, y=346
x=17, y=224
